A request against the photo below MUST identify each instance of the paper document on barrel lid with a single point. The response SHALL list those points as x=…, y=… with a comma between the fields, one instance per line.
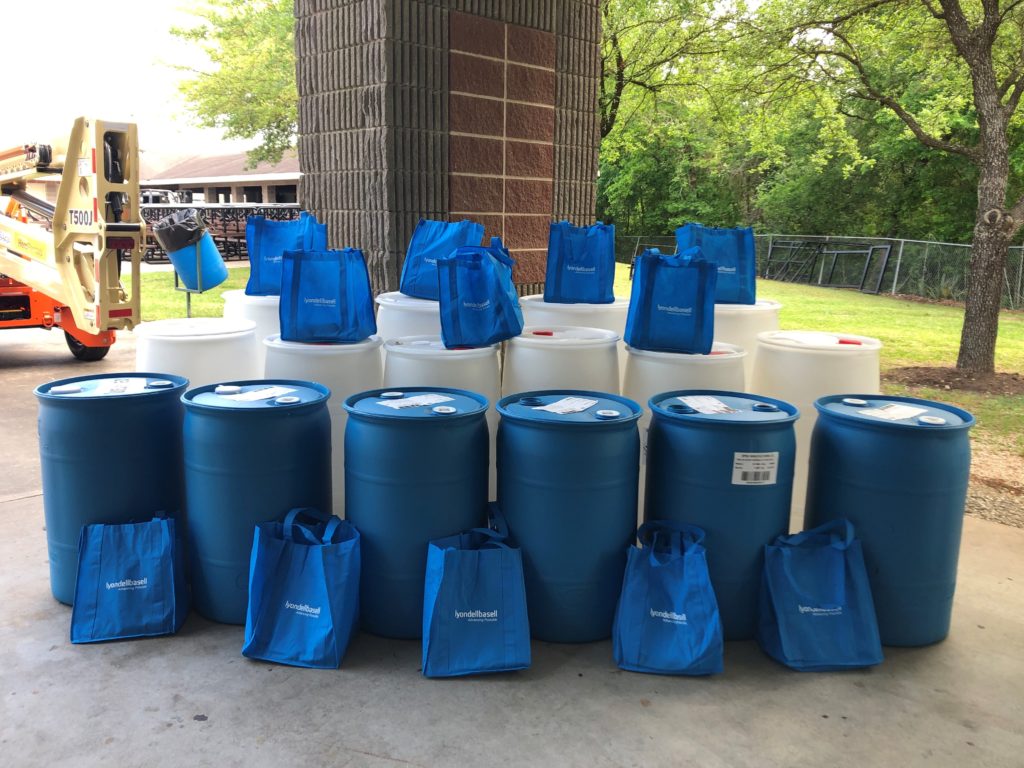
x=122, y=386
x=264, y=393
x=409, y=402
x=894, y=412
x=706, y=404
x=567, y=405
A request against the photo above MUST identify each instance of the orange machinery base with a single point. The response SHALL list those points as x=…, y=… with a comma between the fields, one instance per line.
x=24, y=307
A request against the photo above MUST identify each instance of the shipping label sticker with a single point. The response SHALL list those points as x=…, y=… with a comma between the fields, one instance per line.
x=263, y=393
x=128, y=385
x=706, y=404
x=755, y=468
x=894, y=412
x=415, y=400
x=567, y=405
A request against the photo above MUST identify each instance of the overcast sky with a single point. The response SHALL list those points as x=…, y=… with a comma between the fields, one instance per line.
x=109, y=59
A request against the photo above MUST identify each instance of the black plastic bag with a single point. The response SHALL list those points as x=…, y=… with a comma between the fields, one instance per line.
x=179, y=230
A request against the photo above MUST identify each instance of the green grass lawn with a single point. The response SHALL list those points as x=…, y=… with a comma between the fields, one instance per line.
x=913, y=333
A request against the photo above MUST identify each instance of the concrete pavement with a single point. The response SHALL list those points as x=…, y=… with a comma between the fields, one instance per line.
x=193, y=699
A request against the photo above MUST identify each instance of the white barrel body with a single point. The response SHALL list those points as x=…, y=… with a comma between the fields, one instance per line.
x=345, y=369
x=423, y=361
x=399, y=315
x=610, y=317
x=205, y=350
x=801, y=366
x=561, y=357
x=651, y=373
x=262, y=310
x=739, y=324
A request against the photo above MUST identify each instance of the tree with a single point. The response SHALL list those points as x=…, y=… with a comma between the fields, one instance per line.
x=919, y=59
x=249, y=88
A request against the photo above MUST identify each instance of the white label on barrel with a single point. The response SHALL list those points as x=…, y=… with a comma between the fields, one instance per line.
x=755, y=468
x=128, y=385
x=263, y=393
x=894, y=412
x=567, y=405
x=706, y=404
x=409, y=402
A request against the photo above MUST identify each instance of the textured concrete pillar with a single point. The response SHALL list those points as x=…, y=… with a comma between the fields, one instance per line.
x=448, y=109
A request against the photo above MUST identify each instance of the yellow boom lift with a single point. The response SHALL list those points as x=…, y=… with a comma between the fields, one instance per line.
x=61, y=263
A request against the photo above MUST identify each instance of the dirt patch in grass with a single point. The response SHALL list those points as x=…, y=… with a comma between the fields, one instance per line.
x=999, y=383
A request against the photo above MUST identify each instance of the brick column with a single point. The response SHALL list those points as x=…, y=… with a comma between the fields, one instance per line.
x=482, y=109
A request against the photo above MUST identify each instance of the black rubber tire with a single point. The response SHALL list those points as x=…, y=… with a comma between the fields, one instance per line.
x=82, y=352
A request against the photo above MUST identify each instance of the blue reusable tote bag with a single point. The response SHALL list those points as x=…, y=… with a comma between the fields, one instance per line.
x=433, y=240
x=303, y=590
x=732, y=250
x=479, y=304
x=131, y=582
x=672, y=303
x=667, y=620
x=581, y=264
x=326, y=297
x=474, y=606
x=266, y=241
x=816, y=611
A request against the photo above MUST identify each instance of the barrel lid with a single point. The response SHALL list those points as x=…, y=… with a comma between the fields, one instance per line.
x=564, y=336
x=720, y=352
x=416, y=403
x=255, y=395
x=569, y=407
x=721, y=407
x=322, y=348
x=190, y=327
x=579, y=307
x=820, y=340
x=432, y=346
x=761, y=305
x=241, y=297
x=105, y=385
x=398, y=299
x=891, y=411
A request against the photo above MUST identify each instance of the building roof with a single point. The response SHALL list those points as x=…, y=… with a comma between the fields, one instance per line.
x=225, y=169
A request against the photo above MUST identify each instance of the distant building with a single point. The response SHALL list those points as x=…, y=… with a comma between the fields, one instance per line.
x=225, y=179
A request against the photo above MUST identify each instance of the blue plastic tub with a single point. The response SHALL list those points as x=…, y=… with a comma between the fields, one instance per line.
x=208, y=263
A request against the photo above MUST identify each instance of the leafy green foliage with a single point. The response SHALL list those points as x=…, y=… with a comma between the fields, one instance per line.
x=248, y=89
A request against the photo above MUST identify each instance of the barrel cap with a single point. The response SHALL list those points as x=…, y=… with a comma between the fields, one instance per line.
x=256, y=395
x=721, y=408
x=412, y=403
x=108, y=385
x=821, y=341
x=569, y=407
x=432, y=346
x=889, y=411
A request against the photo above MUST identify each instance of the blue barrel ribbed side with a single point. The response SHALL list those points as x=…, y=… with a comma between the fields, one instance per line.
x=244, y=467
x=410, y=477
x=690, y=479
x=568, y=491
x=107, y=459
x=904, y=488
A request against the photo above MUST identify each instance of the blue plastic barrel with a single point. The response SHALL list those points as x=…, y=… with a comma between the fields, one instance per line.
x=253, y=451
x=110, y=450
x=897, y=468
x=567, y=484
x=206, y=262
x=415, y=469
x=723, y=461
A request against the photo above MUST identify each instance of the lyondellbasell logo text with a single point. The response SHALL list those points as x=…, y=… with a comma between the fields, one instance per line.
x=674, y=310
x=727, y=270
x=581, y=270
x=320, y=302
x=815, y=611
x=129, y=583
x=303, y=609
x=477, y=304
x=477, y=615
x=669, y=616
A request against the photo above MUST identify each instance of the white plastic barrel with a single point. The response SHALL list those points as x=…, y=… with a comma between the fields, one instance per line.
x=345, y=369
x=561, y=357
x=739, y=324
x=423, y=361
x=399, y=315
x=262, y=310
x=651, y=373
x=204, y=350
x=611, y=317
x=801, y=366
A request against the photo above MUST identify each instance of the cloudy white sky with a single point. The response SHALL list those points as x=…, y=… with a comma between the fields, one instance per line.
x=109, y=59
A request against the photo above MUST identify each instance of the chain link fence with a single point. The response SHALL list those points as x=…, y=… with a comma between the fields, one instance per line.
x=929, y=269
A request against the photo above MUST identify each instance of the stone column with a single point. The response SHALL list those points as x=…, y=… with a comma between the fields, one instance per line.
x=449, y=109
